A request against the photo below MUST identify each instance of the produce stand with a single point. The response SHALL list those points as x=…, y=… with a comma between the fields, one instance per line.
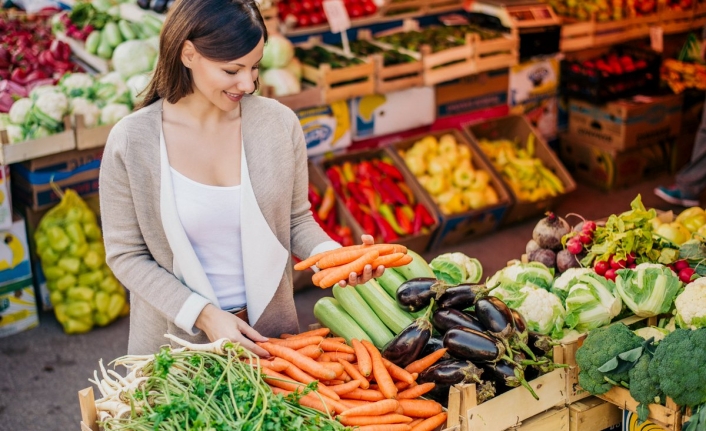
x=593, y=414
x=28, y=150
x=667, y=416
x=100, y=65
x=90, y=137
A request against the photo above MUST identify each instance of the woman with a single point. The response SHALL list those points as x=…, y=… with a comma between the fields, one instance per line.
x=204, y=189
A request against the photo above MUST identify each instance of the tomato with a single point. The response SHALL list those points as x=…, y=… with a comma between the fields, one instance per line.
x=369, y=8
x=355, y=11
x=303, y=20
x=307, y=5
x=283, y=9
x=316, y=18
x=318, y=4
x=295, y=8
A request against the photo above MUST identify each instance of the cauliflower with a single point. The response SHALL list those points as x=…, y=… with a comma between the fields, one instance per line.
x=590, y=302
x=457, y=268
x=652, y=332
x=533, y=272
x=561, y=285
x=90, y=112
x=113, y=112
x=111, y=88
x=36, y=132
x=4, y=121
x=50, y=108
x=541, y=309
x=691, y=305
x=20, y=110
x=43, y=89
x=77, y=84
x=15, y=133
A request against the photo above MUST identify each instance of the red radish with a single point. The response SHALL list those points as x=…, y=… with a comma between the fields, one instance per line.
x=680, y=264
x=611, y=274
x=671, y=266
x=601, y=267
x=617, y=264
x=631, y=257
x=589, y=226
x=574, y=246
x=685, y=274
x=585, y=238
x=632, y=265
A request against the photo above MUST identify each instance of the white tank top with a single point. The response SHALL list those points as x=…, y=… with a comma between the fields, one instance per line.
x=210, y=216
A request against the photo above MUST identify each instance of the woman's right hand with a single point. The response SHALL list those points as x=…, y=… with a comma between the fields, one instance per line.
x=217, y=324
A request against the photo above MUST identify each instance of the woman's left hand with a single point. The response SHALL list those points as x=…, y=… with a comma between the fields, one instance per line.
x=355, y=279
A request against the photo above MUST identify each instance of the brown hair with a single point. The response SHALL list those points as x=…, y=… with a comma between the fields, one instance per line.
x=221, y=30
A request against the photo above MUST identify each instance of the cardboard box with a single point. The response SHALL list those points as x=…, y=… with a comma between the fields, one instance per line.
x=326, y=128
x=65, y=162
x=542, y=113
x=594, y=414
x=18, y=311
x=5, y=198
x=608, y=168
x=626, y=124
x=515, y=127
x=384, y=114
x=472, y=93
x=18, y=308
x=454, y=228
x=534, y=79
x=36, y=190
x=630, y=423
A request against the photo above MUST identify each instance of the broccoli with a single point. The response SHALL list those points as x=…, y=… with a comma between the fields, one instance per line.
x=678, y=365
x=602, y=345
x=644, y=387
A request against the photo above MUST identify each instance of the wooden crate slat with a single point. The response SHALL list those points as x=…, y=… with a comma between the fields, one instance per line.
x=430, y=60
x=93, y=137
x=336, y=76
x=448, y=73
x=87, y=403
x=664, y=416
x=27, y=150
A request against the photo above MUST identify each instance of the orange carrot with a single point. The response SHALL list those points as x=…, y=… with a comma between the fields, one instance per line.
x=382, y=376
x=416, y=422
x=386, y=427
x=346, y=378
x=337, y=339
x=342, y=272
x=374, y=387
x=316, y=278
x=311, y=351
x=392, y=418
x=398, y=373
x=420, y=408
x=344, y=255
x=335, y=356
x=346, y=387
x=298, y=343
x=364, y=361
x=398, y=248
x=422, y=364
x=387, y=260
x=309, y=262
x=354, y=403
x=321, y=332
x=375, y=409
x=276, y=364
x=401, y=385
x=416, y=391
x=364, y=395
x=300, y=376
x=332, y=346
x=404, y=260
x=332, y=382
x=431, y=423
x=314, y=401
x=335, y=367
x=305, y=364
x=354, y=373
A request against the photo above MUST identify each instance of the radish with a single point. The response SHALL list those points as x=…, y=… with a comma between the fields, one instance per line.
x=680, y=265
x=574, y=246
x=685, y=274
x=601, y=266
x=589, y=227
x=585, y=238
x=610, y=274
x=631, y=257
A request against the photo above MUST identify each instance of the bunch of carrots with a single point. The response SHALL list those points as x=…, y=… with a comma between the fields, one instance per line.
x=354, y=383
x=336, y=265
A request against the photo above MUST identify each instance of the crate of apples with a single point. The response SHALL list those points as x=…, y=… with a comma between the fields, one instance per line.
x=307, y=13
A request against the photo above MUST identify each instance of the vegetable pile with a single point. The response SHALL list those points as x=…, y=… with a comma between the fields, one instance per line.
x=281, y=70
x=37, y=116
x=82, y=288
x=305, y=13
x=326, y=214
x=375, y=193
x=438, y=38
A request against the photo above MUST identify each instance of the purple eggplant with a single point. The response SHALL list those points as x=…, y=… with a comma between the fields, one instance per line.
x=521, y=334
x=462, y=296
x=452, y=372
x=432, y=346
x=509, y=374
x=447, y=318
x=472, y=345
x=407, y=346
x=494, y=315
x=539, y=343
x=417, y=293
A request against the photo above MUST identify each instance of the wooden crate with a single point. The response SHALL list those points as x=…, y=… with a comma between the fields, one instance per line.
x=93, y=137
x=593, y=414
x=668, y=416
x=507, y=410
x=78, y=49
x=556, y=419
x=416, y=8
x=578, y=35
x=27, y=150
x=673, y=21
x=309, y=97
x=397, y=77
x=335, y=83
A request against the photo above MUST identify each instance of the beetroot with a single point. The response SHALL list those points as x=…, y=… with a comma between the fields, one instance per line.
x=544, y=256
x=549, y=231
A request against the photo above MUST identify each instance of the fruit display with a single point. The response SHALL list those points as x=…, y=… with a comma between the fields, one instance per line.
x=375, y=193
x=527, y=176
x=679, y=5
x=82, y=288
x=688, y=70
x=438, y=38
x=600, y=10
x=391, y=57
x=306, y=13
x=445, y=169
x=317, y=55
x=323, y=207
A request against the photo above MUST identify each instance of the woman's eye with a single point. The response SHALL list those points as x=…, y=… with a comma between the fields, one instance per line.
x=256, y=67
x=230, y=72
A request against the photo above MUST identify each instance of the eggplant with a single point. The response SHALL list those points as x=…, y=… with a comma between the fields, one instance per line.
x=447, y=318
x=540, y=344
x=496, y=316
x=532, y=373
x=159, y=6
x=432, y=346
x=417, y=293
x=452, y=372
x=518, y=321
x=462, y=296
x=407, y=346
x=143, y=4
x=521, y=335
x=509, y=374
x=472, y=345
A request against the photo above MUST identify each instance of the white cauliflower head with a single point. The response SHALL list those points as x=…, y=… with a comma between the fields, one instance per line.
x=90, y=112
x=20, y=110
x=52, y=105
x=77, y=84
x=691, y=305
x=15, y=133
x=113, y=112
x=541, y=309
x=563, y=282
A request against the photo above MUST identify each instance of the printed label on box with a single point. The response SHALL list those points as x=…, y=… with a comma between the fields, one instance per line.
x=5, y=198
x=18, y=311
x=383, y=114
x=326, y=128
x=532, y=79
x=473, y=93
x=542, y=114
x=630, y=423
x=15, y=269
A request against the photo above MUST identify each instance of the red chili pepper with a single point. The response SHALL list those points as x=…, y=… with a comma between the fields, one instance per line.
x=332, y=219
x=346, y=236
x=394, y=191
x=390, y=170
x=336, y=177
x=418, y=219
x=403, y=221
x=355, y=191
x=382, y=191
x=371, y=197
x=314, y=196
x=388, y=234
x=327, y=203
x=427, y=219
x=407, y=192
x=354, y=208
x=365, y=169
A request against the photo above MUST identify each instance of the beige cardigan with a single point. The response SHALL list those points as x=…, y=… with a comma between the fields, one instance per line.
x=149, y=252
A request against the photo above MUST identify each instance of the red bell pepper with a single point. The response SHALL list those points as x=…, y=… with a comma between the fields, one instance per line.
x=427, y=219
x=390, y=170
x=327, y=203
x=391, y=188
x=314, y=196
x=407, y=192
x=404, y=221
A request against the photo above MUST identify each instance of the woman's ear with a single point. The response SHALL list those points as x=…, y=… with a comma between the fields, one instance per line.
x=188, y=53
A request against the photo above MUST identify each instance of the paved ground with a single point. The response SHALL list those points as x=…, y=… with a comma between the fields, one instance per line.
x=42, y=370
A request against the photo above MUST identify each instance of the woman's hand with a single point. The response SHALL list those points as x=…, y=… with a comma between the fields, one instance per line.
x=217, y=324
x=355, y=279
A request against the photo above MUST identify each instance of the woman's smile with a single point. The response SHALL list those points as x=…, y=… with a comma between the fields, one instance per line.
x=233, y=97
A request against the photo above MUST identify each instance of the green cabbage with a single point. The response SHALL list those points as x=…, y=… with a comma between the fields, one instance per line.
x=541, y=309
x=457, y=268
x=533, y=272
x=133, y=57
x=649, y=289
x=277, y=53
x=590, y=303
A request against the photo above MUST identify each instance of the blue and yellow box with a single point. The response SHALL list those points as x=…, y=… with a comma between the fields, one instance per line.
x=18, y=307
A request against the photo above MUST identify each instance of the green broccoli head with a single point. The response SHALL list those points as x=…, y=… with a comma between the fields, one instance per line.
x=678, y=366
x=600, y=346
x=644, y=387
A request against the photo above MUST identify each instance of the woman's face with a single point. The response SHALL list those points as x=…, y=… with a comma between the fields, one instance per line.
x=223, y=83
